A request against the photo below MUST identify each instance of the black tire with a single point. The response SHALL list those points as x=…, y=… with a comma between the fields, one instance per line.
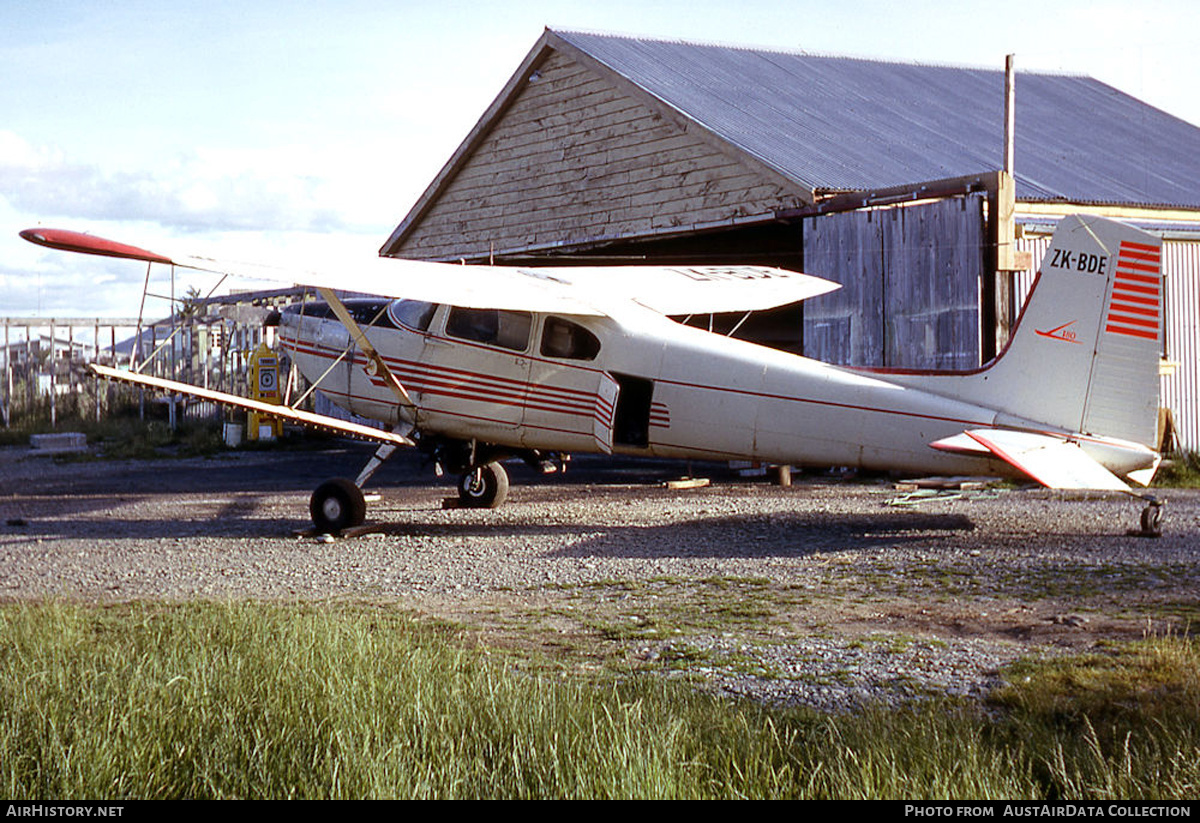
x=1152, y=517
x=337, y=504
x=483, y=488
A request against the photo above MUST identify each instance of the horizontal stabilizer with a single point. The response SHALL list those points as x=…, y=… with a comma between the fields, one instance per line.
x=1144, y=477
x=1052, y=461
x=962, y=444
x=295, y=415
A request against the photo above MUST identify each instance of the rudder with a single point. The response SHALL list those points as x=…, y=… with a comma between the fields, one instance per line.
x=1123, y=397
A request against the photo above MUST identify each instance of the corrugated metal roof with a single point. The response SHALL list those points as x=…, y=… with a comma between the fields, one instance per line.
x=836, y=123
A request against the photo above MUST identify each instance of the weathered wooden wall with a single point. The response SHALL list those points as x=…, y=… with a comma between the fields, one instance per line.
x=574, y=159
x=910, y=285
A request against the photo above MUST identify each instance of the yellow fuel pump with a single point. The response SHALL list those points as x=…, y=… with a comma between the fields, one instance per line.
x=264, y=386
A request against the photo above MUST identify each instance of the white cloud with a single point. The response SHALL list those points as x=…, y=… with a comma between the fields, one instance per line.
x=202, y=190
x=245, y=204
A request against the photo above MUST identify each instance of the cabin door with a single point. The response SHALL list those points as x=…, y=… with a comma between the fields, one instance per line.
x=475, y=373
x=570, y=404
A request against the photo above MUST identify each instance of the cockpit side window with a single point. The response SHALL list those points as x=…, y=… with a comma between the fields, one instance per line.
x=496, y=327
x=367, y=312
x=412, y=314
x=568, y=340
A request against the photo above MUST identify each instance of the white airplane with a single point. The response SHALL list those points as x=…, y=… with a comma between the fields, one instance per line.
x=476, y=364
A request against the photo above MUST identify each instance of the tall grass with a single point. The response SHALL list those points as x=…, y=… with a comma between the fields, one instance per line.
x=272, y=701
x=1124, y=722
x=1181, y=470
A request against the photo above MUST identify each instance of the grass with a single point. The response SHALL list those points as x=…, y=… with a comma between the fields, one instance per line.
x=705, y=604
x=1124, y=722
x=1181, y=471
x=131, y=439
x=123, y=435
x=272, y=701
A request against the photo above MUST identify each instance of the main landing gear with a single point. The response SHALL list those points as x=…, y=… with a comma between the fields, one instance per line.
x=484, y=487
x=482, y=480
x=339, y=504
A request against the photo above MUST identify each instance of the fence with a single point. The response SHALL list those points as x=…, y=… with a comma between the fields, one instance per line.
x=44, y=361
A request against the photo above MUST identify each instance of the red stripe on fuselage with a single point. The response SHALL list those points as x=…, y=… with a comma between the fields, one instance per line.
x=473, y=386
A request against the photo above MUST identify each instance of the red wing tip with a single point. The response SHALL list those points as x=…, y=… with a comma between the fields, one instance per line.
x=75, y=241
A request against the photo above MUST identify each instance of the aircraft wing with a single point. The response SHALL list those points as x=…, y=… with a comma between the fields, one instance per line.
x=295, y=415
x=1052, y=461
x=585, y=290
x=682, y=290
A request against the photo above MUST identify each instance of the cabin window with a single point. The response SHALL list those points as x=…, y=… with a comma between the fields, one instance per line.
x=368, y=312
x=413, y=314
x=508, y=329
x=562, y=338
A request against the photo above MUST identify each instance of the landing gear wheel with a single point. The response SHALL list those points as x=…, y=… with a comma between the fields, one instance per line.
x=485, y=487
x=337, y=504
x=1152, y=517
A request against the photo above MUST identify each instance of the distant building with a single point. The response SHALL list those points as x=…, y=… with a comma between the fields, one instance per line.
x=882, y=176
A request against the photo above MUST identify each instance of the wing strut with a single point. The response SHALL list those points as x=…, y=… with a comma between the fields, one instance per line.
x=375, y=364
x=287, y=413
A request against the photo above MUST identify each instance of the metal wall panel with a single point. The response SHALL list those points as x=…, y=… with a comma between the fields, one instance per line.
x=1181, y=387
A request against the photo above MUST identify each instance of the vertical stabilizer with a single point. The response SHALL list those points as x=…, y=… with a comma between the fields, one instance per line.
x=1084, y=356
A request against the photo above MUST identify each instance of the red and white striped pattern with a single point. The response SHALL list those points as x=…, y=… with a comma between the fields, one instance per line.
x=460, y=384
x=1136, y=306
x=660, y=416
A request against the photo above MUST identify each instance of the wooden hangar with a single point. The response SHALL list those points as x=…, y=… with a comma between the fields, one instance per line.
x=885, y=177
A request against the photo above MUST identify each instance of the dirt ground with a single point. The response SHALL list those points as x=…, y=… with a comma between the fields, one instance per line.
x=825, y=593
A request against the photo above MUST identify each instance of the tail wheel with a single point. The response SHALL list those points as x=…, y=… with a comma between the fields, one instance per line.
x=1152, y=520
x=484, y=487
x=337, y=504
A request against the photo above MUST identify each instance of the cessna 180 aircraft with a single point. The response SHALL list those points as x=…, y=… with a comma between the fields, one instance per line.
x=477, y=364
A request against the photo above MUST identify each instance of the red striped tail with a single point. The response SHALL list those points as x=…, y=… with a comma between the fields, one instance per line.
x=1136, y=306
x=1123, y=387
x=1085, y=354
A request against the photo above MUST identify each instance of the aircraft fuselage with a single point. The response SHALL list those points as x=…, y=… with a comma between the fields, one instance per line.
x=636, y=383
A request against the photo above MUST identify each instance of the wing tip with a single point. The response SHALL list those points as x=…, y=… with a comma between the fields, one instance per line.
x=75, y=241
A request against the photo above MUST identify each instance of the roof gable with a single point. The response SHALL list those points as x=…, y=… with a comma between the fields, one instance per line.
x=571, y=154
x=808, y=125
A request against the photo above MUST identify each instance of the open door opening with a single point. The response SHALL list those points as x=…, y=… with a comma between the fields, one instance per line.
x=632, y=424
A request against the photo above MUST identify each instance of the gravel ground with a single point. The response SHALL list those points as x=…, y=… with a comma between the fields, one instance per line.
x=827, y=594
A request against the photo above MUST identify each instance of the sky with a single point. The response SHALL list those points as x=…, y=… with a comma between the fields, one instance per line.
x=277, y=130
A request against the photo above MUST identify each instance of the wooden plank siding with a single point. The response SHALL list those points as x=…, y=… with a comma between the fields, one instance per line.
x=910, y=286
x=573, y=159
